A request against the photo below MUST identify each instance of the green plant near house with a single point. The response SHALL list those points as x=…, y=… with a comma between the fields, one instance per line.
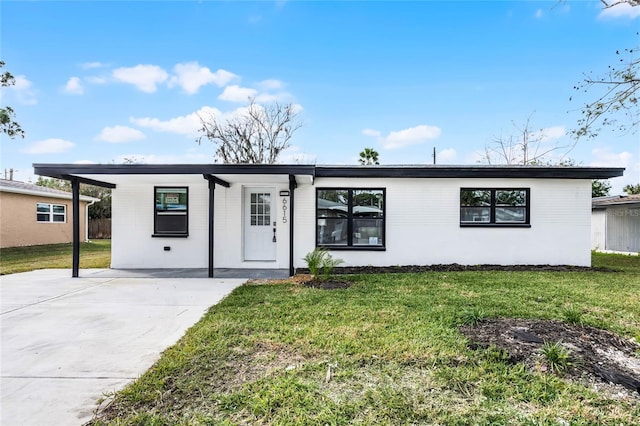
x=573, y=315
x=328, y=264
x=472, y=316
x=557, y=356
x=321, y=263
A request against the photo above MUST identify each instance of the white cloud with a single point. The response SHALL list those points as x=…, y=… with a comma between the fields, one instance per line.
x=411, y=136
x=144, y=77
x=271, y=84
x=605, y=157
x=185, y=125
x=294, y=155
x=49, y=146
x=620, y=9
x=23, y=88
x=191, y=77
x=120, y=134
x=539, y=13
x=446, y=156
x=91, y=65
x=236, y=93
x=273, y=97
x=187, y=158
x=371, y=132
x=74, y=86
x=96, y=80
x=550, y=133
x=84, y=162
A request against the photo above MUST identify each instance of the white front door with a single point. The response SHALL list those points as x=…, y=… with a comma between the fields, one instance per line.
x=259, y=224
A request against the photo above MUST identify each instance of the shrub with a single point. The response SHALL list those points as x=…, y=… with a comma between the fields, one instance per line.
x=557, y=356
x=572, y=315
x=472, y=316
x=320, y=262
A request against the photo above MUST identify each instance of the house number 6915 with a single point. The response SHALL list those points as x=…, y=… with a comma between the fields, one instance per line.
x=284, y=210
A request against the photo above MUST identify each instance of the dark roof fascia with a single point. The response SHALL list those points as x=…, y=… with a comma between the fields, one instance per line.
x=470, y=172
x=89, y=181
x=422, y=171
x=57, y=170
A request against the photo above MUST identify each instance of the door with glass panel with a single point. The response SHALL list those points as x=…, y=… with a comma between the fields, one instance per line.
x=259, y=224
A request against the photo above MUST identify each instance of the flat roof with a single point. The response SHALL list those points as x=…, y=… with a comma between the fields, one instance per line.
x=615, y=200
x=69, y=171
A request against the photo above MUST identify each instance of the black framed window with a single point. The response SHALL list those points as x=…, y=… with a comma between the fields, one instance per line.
x=51, y=213
x=350, y=218
x=171, y=216
x=495, y=207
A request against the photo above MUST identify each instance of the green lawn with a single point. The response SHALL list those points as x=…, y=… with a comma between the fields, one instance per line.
x=387, y=350
x=95, y=254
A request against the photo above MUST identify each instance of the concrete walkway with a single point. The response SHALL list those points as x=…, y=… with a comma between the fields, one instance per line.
x=67, y=341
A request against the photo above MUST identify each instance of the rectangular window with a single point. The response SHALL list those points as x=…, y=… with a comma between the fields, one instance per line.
x=350, y=218
x=48, y=213
x=494, y=206
x=171, y=212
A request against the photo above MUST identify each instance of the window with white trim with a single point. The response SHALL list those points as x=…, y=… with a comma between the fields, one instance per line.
x=494, y=207
x=51, y=213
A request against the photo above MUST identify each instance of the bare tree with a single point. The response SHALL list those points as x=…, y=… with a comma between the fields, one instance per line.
x=617, y=91
x=257, y=135
x=525, y=147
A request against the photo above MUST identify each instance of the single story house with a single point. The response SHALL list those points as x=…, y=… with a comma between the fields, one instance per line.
x=615, y=223
x=32, y=215
x=270, y=216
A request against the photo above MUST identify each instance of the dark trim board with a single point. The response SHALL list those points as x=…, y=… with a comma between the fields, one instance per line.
x=537, y=172
x=68, y=171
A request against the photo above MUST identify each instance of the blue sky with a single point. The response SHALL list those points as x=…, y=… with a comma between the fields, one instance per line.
x=104, y=81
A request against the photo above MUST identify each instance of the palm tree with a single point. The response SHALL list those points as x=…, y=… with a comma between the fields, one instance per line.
x=369, y=157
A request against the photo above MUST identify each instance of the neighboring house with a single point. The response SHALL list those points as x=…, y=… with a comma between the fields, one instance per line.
x=615, y=223
x=270, y=216
x=32, y=215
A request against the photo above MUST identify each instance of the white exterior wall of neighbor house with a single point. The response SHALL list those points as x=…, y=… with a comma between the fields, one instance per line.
x=598, y=227
x=623, y=228
x=132, y=225
x=423, y=224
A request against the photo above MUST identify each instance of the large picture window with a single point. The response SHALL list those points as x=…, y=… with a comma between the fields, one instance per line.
x=494, y=207
x=171, y=212
x=51, y=213
x=350, y=218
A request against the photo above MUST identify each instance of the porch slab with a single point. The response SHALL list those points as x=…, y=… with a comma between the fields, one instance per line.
x=186, y=273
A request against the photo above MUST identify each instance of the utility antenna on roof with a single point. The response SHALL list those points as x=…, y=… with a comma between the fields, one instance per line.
x=434, y=155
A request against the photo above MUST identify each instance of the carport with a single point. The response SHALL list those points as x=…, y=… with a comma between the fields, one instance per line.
x=223, y=175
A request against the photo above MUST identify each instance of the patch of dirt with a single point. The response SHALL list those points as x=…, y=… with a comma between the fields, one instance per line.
x=454, y=267
x=296, y=279
x=597, y=356
x=304, y=280
x=327, y=285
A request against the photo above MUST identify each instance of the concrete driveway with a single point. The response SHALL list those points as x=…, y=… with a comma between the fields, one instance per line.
x=67, y=341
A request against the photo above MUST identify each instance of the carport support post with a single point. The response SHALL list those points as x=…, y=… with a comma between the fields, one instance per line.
x=212, y=197
x=75, y=190
x=292, y=188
